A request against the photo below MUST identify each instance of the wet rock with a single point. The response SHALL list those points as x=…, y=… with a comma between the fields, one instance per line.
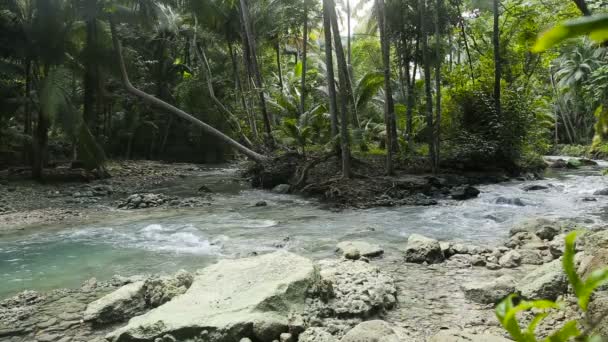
x=228, y=298
x=89, y=285
x=601, y=192
x=356, y=249
x=535, y=187
x=118, y=306
x=464, y=192
x=205, y=189
x=371, y=331
x=461, y=336
x=281, y=189
x=141, y=201
x=421, y=249
x=316, y=335
x=490, y=292
x=546, y=282
x=510, y=259
x=558, y=164
x=541, y=227
x=589, y=199
x=573, y=163
x=587, y=162
x=261, y=204
x=510, y=201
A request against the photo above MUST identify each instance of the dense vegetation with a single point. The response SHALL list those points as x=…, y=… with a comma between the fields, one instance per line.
x=454, y=82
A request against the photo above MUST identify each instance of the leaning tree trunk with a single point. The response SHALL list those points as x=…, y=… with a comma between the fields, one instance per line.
x=279, y=68
x=256, y=157
x=427, y=85
x=497, y=60
x=389, y=106
x=256, y=71
x=329, y=65
x=344, y=91
x=304, y=62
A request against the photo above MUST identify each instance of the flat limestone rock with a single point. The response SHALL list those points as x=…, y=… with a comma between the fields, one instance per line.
x=356, y=249
x=230, y=300
x=371, y=331
x=120, y=305
x=461, y=336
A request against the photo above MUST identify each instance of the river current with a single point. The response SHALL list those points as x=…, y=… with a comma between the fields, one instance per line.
x=165, y=240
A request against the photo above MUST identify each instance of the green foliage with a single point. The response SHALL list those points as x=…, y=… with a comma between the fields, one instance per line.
x=571, y=150
x=506, y=311
x=596, y=27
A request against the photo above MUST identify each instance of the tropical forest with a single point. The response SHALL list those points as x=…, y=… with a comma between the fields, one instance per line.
x=303, y=170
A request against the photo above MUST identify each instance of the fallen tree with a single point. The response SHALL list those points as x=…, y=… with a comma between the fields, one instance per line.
x=154, y=101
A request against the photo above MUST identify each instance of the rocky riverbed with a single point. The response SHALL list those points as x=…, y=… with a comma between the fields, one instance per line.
x=428, y=291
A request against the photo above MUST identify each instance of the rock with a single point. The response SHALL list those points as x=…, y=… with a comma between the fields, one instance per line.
x=510, y=259
x=510, y=201
x=601, y=192
x=461, y=336
x=159, y=290
x=535, y=187
x=281, y=189
x=546, y=282
x=598, y=306
x=464, y=192
x=587, y=162
x=371, y=331
x=573, y=163
x=316, y=335
x=598, y=261
x=228, y=299
x=530, y=256
x=356, y=249
x=559, y=164
x=421, y=249
x=490, y=292
x=492, y=266
x=590, y=199
x=118, y=306
x=286, y=337
x=261, y=204
x=352, y=289
x=205, y=189
x=89, y=285
x=541, y=227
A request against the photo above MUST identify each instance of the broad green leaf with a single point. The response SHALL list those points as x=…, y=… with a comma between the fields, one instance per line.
x=298, y=69
x=509, y=321
x=564, y=334
x=595, y=280
x=537, y=319
x=568, y=263
x=596, y=27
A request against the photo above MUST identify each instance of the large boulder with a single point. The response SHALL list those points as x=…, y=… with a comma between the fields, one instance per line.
x=598, y=306
x=510, y=259
x=543, y=228
x=464, y=192
x=421, y=249
x=316, y=335
x=352, y=289
x=160, y=290
x=357, y=249
x=546, y=282
x=231, y=300
x=371, y=331
x=490, y=292
x=118, y=306
x=461, y=336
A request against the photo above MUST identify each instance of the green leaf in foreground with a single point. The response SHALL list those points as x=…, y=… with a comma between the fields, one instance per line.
x=596, y=27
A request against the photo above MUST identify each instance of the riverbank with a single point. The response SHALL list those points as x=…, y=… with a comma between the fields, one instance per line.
x=365, y=292
x=25, y=204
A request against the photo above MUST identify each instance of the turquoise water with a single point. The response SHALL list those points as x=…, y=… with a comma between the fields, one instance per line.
x=163, y=241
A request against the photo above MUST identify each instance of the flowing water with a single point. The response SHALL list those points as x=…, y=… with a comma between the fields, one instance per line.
x=150, y=241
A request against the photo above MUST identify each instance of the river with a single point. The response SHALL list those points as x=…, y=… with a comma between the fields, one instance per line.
x=164, y=240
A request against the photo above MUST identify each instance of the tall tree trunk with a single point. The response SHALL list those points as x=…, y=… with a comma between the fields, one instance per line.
x=438, y=57
x=304, y=60
x=27, y=124
x=240, y=93
x=389, y=106
x=279, y=68
x=90, y=78
x=256, y=72
x=427, y=85
x=345, y=96
x=348, y=37
x=465, y=41
x=258, y=158
x=497, y=59
x=329, y=66
x=40, y=145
